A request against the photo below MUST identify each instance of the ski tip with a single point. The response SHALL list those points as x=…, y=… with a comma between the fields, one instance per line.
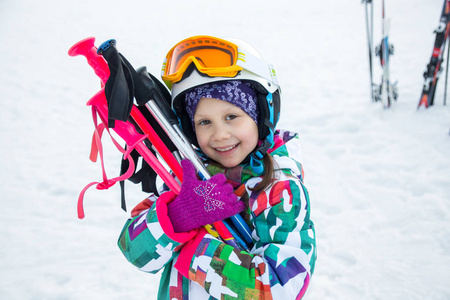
x=106, y=45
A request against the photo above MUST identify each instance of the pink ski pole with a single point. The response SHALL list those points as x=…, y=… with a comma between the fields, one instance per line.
x=87, y=49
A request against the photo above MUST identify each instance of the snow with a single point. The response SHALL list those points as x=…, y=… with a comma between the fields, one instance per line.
x=379, y=180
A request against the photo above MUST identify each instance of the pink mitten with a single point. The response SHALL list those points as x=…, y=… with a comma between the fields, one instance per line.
x=202, y=202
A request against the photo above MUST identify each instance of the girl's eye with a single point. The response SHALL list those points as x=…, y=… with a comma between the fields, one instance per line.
x=204, y=122
x=231, y=117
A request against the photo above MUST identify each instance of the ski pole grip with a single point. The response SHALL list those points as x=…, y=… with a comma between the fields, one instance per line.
x=87, y=49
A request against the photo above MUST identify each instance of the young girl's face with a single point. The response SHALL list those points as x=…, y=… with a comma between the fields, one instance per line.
x=225, y=133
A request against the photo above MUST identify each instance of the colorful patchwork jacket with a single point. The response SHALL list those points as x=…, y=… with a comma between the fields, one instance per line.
x=199, y=266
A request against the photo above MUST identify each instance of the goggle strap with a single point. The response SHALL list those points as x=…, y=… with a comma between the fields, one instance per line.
x=257, y=66
x=164, y=66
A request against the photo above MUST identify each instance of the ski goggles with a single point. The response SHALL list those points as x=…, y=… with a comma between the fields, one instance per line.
x=212, y=56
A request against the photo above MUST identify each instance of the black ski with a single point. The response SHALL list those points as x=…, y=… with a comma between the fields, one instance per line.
x=434, y=67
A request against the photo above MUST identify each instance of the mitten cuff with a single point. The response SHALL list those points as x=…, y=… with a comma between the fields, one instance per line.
x=187, y=253
x=166, y=224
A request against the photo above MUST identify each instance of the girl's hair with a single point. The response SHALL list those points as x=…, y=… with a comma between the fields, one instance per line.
x=268, y=176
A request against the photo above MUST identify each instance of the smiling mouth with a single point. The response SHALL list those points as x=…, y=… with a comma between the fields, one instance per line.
x=226, y=149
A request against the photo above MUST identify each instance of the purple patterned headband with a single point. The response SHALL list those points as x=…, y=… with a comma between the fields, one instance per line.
x=233, y=91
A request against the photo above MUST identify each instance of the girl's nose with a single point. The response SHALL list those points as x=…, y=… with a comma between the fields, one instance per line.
x=221, y=132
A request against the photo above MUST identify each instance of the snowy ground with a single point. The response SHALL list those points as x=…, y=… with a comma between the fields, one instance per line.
x=379, y=179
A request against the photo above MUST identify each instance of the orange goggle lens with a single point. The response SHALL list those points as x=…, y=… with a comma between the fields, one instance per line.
x=211, y=56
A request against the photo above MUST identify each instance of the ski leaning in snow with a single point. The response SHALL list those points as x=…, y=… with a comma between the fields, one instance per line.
x=126, y=130
x=387, y=91
x=434, y=68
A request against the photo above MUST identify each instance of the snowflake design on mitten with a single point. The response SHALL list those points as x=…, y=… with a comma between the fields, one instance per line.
x=206, y=191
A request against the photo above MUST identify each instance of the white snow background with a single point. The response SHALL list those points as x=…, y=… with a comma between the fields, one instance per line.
x=379, y=180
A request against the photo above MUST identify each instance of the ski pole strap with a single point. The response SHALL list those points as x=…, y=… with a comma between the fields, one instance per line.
x=119, y=88
x=97, y=149
x=146, y=176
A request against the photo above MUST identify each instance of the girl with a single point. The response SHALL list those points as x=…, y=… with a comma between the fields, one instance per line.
x=227, y=100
